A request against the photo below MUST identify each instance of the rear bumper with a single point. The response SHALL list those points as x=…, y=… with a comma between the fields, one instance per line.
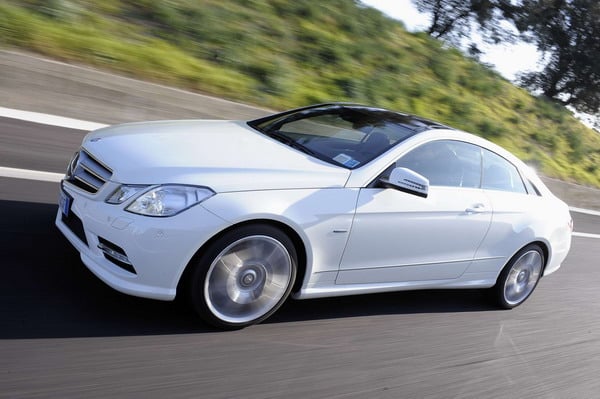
x=560, y=250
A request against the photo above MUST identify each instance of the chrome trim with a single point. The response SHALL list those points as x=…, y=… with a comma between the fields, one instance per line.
x=87, y=173
x=87, y=183
x=92, y=172
x=114, y=254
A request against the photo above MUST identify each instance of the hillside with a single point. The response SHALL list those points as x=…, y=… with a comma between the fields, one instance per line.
x=281, y=54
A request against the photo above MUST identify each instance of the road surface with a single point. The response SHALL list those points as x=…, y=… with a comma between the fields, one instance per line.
x=64, y=334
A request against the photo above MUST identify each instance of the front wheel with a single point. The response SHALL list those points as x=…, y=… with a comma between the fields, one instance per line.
x=244, y=276
x=519, y=277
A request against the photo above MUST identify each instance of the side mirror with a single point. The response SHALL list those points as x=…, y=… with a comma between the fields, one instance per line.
x=408, y=181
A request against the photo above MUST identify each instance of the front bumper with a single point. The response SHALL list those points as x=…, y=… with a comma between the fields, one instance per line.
x=158, y=249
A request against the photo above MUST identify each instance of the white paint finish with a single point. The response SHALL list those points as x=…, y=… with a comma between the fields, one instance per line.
x=408, y=236
x=377, y=239
x=467, y=280
x=314, y=214
x=159, y=248
x=52, y=120
x=403, y=273
x=223, y=155
x=520, y=219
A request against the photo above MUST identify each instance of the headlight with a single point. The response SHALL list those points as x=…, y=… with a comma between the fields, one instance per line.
x=123, y=193
x=168, y=200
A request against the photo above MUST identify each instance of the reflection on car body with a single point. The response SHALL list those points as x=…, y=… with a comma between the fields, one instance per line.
x=326, y=200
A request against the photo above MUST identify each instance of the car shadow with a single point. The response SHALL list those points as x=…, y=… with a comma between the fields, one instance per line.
x=394, y=303
x=47, y=292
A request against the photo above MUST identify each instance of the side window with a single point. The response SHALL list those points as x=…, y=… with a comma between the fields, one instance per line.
x=499, y=174
x=446, y=163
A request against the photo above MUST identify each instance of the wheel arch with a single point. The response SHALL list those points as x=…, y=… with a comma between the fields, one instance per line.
x=545, y=251
x=299, y=246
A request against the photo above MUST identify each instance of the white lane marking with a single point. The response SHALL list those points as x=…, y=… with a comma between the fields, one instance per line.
x=30, y=174
x=47, y=119
x=585, y=235
x=586, y=211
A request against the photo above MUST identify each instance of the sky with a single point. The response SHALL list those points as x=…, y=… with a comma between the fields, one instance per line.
x=507, y=59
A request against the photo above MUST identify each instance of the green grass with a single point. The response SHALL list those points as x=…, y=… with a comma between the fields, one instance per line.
x=281, y=54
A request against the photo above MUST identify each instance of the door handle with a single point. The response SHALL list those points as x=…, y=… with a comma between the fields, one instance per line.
x=477, y=208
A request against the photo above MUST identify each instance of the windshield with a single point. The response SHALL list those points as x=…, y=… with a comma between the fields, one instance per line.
x=349, y=136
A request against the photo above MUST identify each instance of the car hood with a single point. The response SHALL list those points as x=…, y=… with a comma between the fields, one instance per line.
x=222, y=155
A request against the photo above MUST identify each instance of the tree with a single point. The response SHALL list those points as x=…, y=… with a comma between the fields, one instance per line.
x=567, y=32
x=453, y=20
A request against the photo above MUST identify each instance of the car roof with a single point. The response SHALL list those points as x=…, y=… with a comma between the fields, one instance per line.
x=413, y=122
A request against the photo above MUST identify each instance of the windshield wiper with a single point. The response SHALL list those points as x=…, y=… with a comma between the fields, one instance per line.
x=291, y=142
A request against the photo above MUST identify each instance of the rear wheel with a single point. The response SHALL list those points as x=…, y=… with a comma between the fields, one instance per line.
x=519, y=277
x=244, y=276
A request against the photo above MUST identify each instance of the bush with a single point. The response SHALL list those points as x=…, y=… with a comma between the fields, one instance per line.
x=282, y=54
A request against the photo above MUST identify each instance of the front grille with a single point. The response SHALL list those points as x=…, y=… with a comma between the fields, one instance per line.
x=87, y=173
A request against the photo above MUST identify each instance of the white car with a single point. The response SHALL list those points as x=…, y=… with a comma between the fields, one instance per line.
x=327, y=200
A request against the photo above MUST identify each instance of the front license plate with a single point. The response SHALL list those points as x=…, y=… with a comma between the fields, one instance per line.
x=64, y=202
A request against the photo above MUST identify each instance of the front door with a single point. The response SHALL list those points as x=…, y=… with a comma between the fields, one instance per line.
x=400, y=237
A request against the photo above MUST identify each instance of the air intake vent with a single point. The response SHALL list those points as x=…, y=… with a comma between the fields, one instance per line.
x=115, y=254
x=87, y=173
x=75, y=225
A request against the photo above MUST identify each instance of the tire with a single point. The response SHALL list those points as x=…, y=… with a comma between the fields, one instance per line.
x=243, y=277
x=519, y=277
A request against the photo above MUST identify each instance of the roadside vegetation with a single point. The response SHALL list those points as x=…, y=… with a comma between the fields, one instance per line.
x=280, y=54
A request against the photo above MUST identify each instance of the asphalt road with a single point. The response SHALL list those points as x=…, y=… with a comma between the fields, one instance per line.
x=64, y=334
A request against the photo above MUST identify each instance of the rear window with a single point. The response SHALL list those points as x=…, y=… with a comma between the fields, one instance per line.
x=499, y=174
